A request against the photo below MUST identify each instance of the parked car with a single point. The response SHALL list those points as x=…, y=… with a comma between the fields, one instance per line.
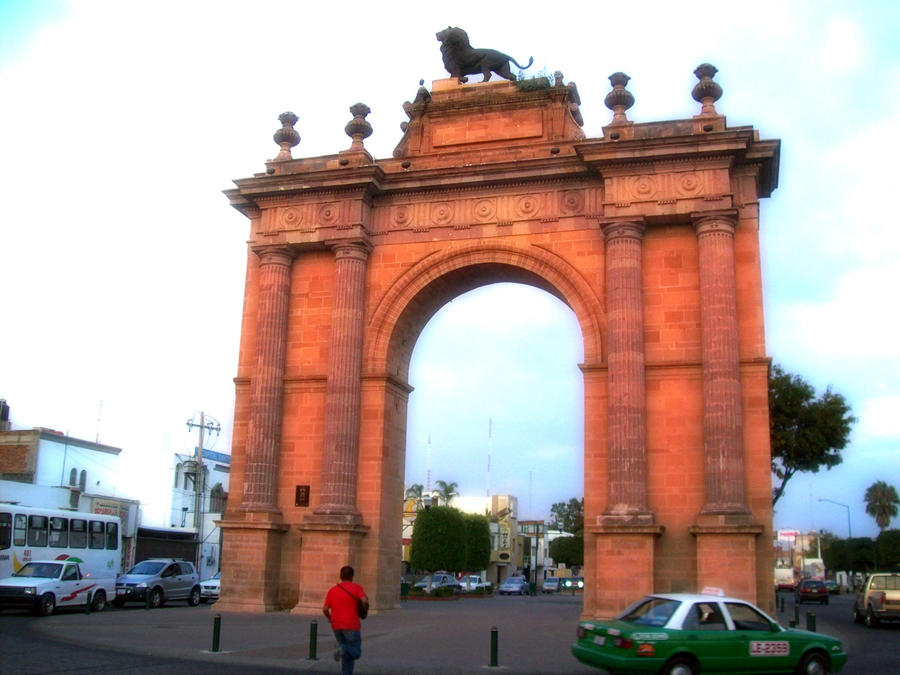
x=879, y=600
x=209, y=589
x=573, y=583
x=551, y=585
x=811, y=590
x=472, y=582
x=439, y=580
x=687, y=633
x=515, y=585
x=160, y=580
x=833, y=587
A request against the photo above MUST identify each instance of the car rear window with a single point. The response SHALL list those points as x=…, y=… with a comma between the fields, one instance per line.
x=651, y=612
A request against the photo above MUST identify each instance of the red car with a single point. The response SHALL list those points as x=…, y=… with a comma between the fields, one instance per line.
x=812, y=590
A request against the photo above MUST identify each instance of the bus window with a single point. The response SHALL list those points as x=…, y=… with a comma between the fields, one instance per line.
x=59, y=532
x=97, y=537
x=5, y=531
x=37, y=530
x=112, y=536
x=19, y=530
x=78, y=533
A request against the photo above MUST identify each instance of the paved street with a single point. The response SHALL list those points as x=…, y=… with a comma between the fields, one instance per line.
x=434, y=637
x=422, y=637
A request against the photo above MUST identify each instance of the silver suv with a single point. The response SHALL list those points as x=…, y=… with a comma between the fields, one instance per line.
x=157, y=581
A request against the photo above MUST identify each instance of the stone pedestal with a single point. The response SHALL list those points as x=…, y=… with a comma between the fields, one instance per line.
x=624, y=557
x=727, y=556
x=251, y=562
x=329, y=543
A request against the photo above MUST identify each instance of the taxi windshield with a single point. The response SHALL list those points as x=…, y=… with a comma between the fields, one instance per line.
x=650, y=612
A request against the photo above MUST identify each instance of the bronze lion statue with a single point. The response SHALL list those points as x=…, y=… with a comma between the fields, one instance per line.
x=461, y=59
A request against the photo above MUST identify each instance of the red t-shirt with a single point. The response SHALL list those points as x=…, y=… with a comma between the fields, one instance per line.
x=343, y=607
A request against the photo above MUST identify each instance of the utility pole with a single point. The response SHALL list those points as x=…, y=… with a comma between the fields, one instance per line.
x=211, y=426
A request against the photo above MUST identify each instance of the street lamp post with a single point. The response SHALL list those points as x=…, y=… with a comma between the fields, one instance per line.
x=831, y=501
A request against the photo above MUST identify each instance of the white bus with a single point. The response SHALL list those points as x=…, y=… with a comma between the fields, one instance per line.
x=32, y=533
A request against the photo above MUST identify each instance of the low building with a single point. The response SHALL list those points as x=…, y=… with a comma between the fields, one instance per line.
x=197, y=503
x=46, y=468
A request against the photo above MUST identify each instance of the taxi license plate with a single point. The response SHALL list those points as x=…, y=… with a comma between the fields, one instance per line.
x=121, y=591
x=770, y=648
x=599, y=640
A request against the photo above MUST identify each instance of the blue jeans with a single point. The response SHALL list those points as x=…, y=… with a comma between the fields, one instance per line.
x=350, y=642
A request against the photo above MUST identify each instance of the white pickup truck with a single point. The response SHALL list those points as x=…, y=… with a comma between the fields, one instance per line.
x=44, y=585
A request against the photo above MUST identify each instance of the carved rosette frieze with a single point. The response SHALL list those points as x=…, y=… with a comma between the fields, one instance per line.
x=466, y=211
x=343, y=388
x=722, y=413
x=684, y=187
x=267, y=384
x=625, y=357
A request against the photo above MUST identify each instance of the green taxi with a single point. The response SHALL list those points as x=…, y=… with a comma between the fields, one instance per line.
x=689, y=633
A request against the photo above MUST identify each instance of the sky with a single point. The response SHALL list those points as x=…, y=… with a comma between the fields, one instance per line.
x=122, y=264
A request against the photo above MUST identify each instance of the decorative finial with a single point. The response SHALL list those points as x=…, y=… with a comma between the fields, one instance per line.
x=357, y=128
x=558, y=78
x=286, y=137
x=619, y=99
x=706, y=92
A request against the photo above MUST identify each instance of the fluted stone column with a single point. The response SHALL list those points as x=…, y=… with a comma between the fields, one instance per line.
x=625, y=357
x=267, y=386
x=342, y=395
x=722, y=417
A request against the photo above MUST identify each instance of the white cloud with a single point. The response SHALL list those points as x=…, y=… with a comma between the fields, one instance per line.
x=879, y=419
x=842, y=46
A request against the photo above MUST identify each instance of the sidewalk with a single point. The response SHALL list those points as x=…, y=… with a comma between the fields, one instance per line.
x=534, y=636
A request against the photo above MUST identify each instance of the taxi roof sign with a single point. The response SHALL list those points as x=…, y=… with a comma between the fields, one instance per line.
x=713, y=590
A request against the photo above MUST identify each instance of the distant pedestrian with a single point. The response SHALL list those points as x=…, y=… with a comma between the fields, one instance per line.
x=343, y=604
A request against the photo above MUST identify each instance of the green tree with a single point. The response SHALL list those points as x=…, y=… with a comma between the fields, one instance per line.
x=889, y=549
x=478, y=542
x=881, y=503
x=568, y=516
x=567, y=550
x=446, y=491
x=415, y=491
x=836, y=555
x=439, y=540
x=806, y=432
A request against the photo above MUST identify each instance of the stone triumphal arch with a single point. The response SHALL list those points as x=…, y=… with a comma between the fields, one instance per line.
x=649, y=233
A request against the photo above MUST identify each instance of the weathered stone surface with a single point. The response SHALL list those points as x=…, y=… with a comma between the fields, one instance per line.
x=651, y=238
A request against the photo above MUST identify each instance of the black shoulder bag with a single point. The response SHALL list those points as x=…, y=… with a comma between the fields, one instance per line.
x=361, y=608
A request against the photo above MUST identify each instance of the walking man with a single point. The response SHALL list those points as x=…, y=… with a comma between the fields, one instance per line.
x=342, y=610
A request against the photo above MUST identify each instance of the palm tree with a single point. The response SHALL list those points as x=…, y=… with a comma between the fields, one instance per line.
x=414, y=491
x=881, y=503
x=446, y=491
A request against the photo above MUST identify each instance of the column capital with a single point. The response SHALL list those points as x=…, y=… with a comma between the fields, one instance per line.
x=623, y=228
x=707, y=222
x=274, y=254
x=350, y=248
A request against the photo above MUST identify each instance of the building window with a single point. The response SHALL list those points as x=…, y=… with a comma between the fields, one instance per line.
x=82, y=480
x=217, y=499
x=73, y=477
